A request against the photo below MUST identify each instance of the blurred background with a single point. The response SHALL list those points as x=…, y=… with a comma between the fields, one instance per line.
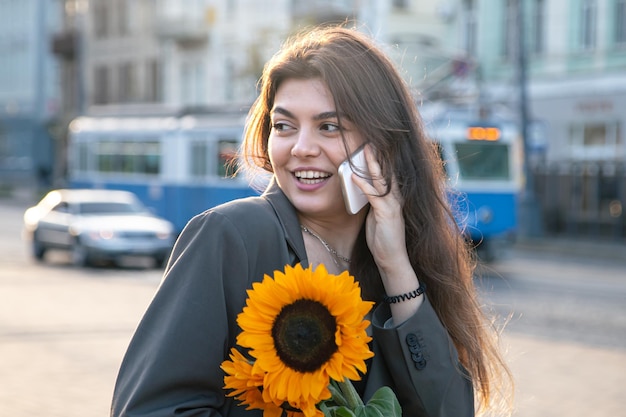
x=524, y=98
x=555, y=67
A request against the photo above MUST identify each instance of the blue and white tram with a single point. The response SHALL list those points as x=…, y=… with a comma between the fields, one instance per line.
x=178, y=165
x=484, y=163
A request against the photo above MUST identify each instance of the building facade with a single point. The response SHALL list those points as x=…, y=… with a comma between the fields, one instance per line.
x=558, y=65
x=576, y=72
x=185, y=53
x=573, y=75
x=29, y=92
x=176, y=54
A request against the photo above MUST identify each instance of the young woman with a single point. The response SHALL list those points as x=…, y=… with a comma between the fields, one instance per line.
x=323, y=95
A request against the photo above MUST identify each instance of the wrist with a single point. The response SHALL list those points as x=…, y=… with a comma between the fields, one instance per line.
x=398, y=276
x=393, y=299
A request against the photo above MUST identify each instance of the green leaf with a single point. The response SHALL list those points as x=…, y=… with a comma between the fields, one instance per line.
x=385, y=402
x=340, y=412
x=366, y=411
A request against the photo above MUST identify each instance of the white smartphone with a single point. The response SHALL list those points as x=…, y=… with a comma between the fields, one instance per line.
x=353, y=196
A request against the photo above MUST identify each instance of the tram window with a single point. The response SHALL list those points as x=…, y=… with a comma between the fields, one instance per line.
x=106, y=157
x=152, y=158
x=226, y=163
x=83, y=157
x=483, y=161
x=128, y=157
x=199, y=166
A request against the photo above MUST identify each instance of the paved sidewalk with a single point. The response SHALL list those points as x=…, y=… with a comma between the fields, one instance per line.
x=575, y=246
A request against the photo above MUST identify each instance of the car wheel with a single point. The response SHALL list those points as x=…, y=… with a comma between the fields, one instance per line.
x=38, y=249
x=79, y=254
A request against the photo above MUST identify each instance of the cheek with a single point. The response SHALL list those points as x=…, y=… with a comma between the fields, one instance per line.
x=277, y=151
x=353, y=141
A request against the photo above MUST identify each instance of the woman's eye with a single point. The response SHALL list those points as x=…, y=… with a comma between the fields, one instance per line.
x=330, y=127
x=280, y=126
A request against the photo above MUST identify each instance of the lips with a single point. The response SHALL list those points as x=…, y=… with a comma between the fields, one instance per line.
x=311, y=177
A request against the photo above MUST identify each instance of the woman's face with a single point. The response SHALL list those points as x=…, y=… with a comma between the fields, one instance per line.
x=306, y=147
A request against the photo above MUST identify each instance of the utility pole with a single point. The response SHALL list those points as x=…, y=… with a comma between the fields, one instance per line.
x=529, y=212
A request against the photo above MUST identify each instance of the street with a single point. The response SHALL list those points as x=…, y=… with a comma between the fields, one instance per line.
x=63, y=330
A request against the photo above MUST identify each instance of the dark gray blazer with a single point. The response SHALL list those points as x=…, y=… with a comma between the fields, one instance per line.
x=172, y=366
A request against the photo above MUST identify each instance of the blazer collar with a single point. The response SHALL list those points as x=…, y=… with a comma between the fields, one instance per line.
x=288, y=219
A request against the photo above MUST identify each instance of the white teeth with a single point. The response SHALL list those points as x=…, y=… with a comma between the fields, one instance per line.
x=311, y=174
x=311, y=177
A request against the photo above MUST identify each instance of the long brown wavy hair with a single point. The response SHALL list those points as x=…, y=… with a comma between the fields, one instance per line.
x=369, y=91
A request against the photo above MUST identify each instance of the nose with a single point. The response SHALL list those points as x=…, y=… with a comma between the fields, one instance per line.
x=306, y=145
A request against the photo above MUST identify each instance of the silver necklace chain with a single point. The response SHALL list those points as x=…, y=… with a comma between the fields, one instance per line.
x=330, y=249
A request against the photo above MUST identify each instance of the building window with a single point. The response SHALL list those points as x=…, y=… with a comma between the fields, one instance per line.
x=598, y=140
x=192, y=82
x=101, y=18
x=538, y=22
x=470, y=23
x=229, y=84
x=101, y=85
x=153, y=92
x=123, y=22
x=620, y=22
x=588, y=24
x=127, y=83
x=401, y=4
x=509, y=30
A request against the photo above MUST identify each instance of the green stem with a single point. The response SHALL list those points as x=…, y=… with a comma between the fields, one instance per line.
x=349, y=392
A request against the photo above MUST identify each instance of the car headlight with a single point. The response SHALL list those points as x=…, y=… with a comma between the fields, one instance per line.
x=104, y=234
x=163, y=235
x=74, y=231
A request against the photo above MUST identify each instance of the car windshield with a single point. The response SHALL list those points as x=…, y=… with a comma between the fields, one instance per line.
x=108, y=208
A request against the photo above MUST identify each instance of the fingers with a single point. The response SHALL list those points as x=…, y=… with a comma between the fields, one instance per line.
x=378, y=181
x=379, y=186
x=372, y=184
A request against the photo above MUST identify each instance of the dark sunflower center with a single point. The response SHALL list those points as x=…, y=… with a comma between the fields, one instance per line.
x=304, y=335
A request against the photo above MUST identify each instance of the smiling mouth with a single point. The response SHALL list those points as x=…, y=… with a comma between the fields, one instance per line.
x=311, y=177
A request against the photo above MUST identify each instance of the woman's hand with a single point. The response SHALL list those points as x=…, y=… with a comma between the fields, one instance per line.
x=386, y=238
x=385, y=223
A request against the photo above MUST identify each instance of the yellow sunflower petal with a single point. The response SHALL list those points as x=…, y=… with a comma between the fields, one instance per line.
x=272, y=410
x=309, y=409
x=242, y=382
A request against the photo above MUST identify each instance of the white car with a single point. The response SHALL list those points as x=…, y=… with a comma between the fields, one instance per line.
x=97, y=225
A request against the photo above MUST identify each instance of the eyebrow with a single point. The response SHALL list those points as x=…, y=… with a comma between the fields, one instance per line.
x=320, y=116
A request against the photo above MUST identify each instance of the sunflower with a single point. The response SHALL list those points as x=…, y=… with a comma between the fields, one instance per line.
x=245, y=385
x=304, y=327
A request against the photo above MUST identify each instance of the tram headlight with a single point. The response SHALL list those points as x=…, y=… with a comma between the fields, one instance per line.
x=484, y=214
